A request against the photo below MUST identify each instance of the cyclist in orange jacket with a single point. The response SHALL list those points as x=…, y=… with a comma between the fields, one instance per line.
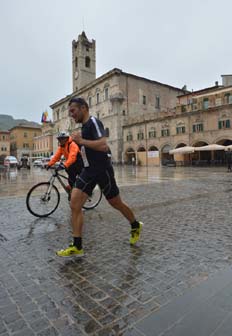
x=70, y=150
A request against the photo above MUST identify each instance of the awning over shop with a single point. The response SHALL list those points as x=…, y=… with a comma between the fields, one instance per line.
x=212, y=147
x=182, y=150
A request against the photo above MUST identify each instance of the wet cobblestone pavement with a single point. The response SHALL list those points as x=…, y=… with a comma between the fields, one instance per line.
x=186, y=239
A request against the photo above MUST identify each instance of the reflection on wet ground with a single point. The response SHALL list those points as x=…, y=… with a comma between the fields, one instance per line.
x=17, y=183
x=185, y=240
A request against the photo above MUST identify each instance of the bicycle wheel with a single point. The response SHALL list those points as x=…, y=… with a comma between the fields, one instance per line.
x=94, y=199
x=39, y=202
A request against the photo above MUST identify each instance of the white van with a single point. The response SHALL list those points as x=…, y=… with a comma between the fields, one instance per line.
x=10, y=161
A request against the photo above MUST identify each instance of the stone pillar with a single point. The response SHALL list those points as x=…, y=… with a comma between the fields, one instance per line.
x=116, y=101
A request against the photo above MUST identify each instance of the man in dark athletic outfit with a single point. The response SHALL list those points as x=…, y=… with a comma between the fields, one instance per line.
x=97, y=170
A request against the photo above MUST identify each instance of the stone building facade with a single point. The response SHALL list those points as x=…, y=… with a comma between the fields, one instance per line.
x=200, y=118
x=22, y=140
x=4, y=143
x=43, y=143
x=116, y=97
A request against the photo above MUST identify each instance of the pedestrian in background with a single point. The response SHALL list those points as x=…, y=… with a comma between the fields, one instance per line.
x=229, y=159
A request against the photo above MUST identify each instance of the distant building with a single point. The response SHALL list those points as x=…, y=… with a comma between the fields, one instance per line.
x=200, y=118
x=116, y=97
x=43, y=143
x=22, y=140
x=4, y=144
x=204, y=117
x=145, y=119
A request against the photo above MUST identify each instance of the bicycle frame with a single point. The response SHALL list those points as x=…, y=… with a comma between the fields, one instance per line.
x=59, y=178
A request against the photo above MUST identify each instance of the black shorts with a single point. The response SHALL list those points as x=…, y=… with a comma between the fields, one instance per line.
x=87, y=180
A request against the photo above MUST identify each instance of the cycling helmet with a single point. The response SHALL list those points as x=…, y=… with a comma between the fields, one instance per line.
x=62, y=135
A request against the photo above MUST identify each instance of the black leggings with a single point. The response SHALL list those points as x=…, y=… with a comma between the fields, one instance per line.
x=73, y=171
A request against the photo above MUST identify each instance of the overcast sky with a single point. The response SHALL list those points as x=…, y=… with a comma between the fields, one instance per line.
x=175, y=42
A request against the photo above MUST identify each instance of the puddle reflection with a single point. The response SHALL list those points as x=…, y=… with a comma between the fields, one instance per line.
x=17, y=183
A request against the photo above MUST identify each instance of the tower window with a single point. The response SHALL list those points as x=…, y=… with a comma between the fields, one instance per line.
x=144, y=100
x=87, y=62
x=107, y=132
x=76, y=62
x=90, y=101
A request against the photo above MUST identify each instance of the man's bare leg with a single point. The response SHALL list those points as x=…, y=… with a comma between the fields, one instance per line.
x=78, y=199
x=136, y=226
x=118, y=204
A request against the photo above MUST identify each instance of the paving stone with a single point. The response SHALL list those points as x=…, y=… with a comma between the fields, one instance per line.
x=107, y=331
x=25, y=308
x=11, y=318
x=119, y=311
x=62, y=322
x=109, y=303
x=7, y=310
x=2, y=327
x=51, y=313
x=107, y=319
x=224, y=328
x=24, y=332
x=33, y=316
x=17, y=326
x=91, y=326
x=40, y=324
x=5, y=301
x=48, y=332
x=71, y=330
x=99, y=313
x=131, y=332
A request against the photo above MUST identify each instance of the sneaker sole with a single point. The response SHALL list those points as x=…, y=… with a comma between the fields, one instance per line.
x=71, y=256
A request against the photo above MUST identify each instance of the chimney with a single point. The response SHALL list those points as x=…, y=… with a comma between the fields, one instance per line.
x=226, y=80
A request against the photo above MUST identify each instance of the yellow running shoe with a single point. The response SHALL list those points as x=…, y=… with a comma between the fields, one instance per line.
x=135, y=234
x=71, y=251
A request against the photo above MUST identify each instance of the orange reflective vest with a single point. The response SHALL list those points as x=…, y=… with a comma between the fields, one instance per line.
x=70, y=151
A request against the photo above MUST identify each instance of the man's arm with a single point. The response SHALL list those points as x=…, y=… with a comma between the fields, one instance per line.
x=98, y=145
x=55, y=158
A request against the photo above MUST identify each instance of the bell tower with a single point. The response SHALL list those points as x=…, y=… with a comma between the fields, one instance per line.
x=83, y=61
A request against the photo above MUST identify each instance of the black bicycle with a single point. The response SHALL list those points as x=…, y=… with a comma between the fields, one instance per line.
x=43, y=198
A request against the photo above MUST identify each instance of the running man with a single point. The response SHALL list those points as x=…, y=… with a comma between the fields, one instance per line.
x=97, y=170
